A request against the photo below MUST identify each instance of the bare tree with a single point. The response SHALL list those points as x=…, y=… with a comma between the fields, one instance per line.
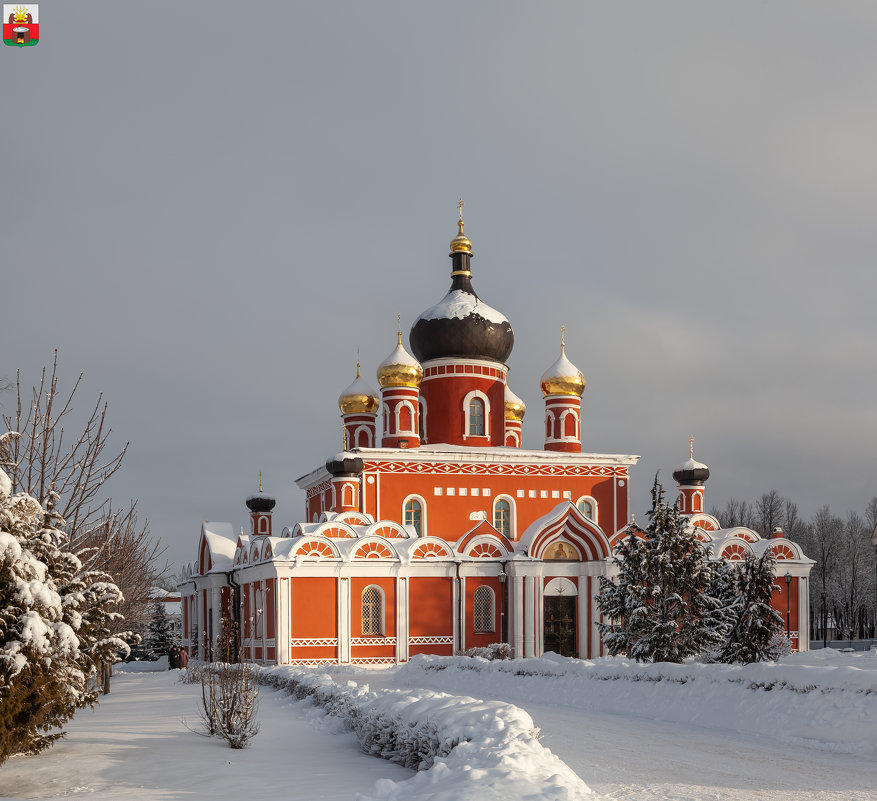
x=871, y=514
x=823, y=545
x=736, y=513
x=849, y=575
x=769, y=512
x=794, y=525
x=65, y=463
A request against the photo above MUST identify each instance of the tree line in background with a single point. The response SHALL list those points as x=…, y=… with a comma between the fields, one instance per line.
x=843, y=583
x=76, y=570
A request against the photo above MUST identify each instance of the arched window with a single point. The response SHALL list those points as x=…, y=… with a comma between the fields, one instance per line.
x=414, y=514
x=586, y=507
x=502, y=517
x=476, y=417
x=476, y=414
x=372, y=612
x=482, y=610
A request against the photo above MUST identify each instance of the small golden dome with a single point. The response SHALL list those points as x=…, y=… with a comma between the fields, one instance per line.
x=460, y=243
x=563, y=377
x=400, y=369
x=514, y=406
x=359, y=397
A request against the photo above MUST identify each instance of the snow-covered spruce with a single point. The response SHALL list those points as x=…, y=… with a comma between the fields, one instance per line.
x=462, y=747
x=53, y=624
x=659, y=606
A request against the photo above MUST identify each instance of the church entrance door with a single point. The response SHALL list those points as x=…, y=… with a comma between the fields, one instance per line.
x=559, y=616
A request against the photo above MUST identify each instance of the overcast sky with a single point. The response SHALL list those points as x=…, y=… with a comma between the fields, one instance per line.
x=208, y=207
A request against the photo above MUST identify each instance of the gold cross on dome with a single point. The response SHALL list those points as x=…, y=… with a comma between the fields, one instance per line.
x=691, y=447
x=399, y=328
x=460, y=208
x=260, y=481
x=562, y=338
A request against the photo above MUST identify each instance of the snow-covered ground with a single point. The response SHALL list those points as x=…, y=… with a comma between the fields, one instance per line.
x=137, y=745
x=803, y=729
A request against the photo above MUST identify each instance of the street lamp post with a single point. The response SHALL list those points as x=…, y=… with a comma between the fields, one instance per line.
x=824, y=623
x=788, y=578
x=874, y=543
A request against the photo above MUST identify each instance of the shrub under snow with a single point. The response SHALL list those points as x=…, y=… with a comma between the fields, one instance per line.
x=462, y=747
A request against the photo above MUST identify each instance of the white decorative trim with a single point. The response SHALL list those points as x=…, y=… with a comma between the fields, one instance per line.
x=372, y=640
x=447, y=639
x=309, y=642
x=373, y=660
x=312, y=662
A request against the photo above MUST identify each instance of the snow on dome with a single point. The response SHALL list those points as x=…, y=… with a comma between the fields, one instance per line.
x=563, y=378
x=400, y=369
x=514, y=406
x=691, y=472
x=458, y=304
x=359, y=397
x=691, y=464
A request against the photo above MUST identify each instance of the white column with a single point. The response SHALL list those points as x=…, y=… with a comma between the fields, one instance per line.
x=462, y=607
x=343, y=590
x=803, y=614
x=216, y=617
x=516, y=616
x=583, y=616
x=455, y=603
x=529, y=615
x=281, y=625
x=401, y=619
x=595, y=619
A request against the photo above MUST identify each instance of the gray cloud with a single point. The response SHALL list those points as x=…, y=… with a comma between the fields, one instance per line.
x=208, y=208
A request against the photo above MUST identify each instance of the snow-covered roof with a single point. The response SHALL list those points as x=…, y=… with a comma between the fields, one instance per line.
x=458, y=304
x=222, y=541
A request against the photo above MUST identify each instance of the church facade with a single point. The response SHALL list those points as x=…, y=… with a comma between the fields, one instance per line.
x=435, y=531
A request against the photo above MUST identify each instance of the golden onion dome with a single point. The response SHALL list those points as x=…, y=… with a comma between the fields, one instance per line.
x=359, y=397
x=514, y=406
x=400, y=369
x=460, y=243
x=563, y=377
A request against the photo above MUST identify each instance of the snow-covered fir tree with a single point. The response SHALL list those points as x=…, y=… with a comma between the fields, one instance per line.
x=659, y=606
x=54, y=621
x=757, y=633
x=161, y=638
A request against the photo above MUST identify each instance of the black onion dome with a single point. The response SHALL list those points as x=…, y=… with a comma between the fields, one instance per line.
x=691, y=472
x=461, y=325
x=342, y=465
x=260, y=503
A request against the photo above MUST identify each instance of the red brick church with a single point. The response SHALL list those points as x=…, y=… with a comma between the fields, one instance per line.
x=435, y=530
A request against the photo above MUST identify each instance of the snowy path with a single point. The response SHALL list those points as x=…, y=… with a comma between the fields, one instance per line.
x=628, y=758
x=134, y=745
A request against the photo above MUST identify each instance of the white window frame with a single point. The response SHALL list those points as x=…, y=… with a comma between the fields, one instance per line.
x=590, y=500
x=512, y=533
x=420, y=499
x=577, y=428
x=407, y=404
x=488, y=591
x=476, y=393
x=382, y=601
